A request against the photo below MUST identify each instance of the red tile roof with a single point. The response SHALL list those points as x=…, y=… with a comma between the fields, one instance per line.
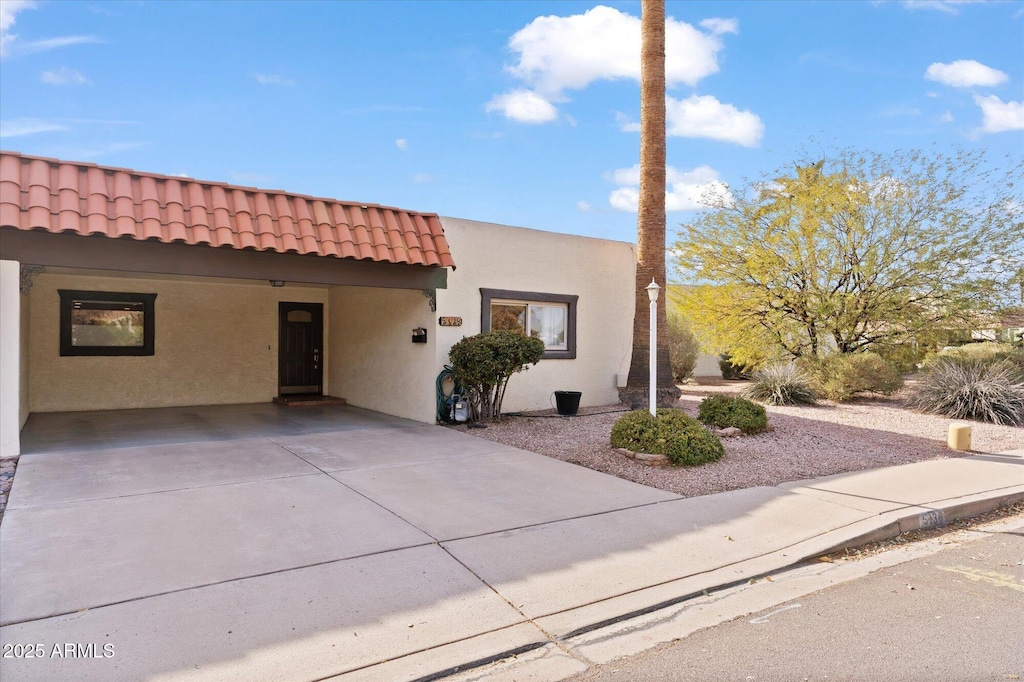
x=64, y=196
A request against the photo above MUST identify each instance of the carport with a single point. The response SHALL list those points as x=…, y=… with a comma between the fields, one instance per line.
x=122, y=289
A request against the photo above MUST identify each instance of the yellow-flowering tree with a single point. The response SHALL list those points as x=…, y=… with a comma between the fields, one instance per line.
x=852, y=252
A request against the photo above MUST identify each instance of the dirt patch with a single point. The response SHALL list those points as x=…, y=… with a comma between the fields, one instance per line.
x=808, y=442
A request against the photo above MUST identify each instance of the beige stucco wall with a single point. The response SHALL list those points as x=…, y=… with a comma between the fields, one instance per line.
x=707, y=366
x=10, y=359
x=600, y=272
x=373, y=361
x=215, y=343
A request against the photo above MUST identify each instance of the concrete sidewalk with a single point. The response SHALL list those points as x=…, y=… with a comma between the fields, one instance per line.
x=460, y=574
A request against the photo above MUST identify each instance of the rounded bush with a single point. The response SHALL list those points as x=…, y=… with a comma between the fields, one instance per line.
x=672, y=433
x=971, y=388
x=483, y=364
x=724, y=411
x=781, y=384
x=840, y=377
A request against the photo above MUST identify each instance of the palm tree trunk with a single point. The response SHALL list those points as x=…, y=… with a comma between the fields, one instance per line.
x=650, y=255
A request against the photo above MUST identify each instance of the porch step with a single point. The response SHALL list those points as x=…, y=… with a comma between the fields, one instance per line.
x=307, y=400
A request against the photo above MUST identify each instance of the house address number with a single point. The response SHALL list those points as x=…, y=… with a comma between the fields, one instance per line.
x=450, y=321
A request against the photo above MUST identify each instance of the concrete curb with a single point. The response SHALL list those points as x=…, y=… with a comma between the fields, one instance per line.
x=549, y=654
x=935, y=515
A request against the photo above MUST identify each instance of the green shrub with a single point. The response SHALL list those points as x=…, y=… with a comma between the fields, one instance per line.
x=484, y=363
x=972, y=388
x=730, y=370
x=984, y=351
x=904, y=357
x=672, y=433
x=724, y=411
x=840, y=377
x=683, y=347
x=1015, y=358
x=780, y=384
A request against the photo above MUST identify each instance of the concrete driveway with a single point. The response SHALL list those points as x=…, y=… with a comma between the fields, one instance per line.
x=263, y=542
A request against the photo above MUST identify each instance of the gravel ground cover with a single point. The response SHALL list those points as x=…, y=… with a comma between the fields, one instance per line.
x=808, y=442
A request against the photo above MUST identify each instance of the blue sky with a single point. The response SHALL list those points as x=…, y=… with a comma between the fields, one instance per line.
x=518, y=112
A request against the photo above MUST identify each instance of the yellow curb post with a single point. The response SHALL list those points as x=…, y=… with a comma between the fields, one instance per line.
x=959, y=436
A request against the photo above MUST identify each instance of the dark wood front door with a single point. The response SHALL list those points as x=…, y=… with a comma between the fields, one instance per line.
x=300, y=348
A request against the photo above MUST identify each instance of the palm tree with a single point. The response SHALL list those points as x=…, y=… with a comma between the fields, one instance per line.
x=650, y=252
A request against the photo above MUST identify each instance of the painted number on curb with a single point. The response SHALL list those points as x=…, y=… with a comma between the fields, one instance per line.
x=932, y=519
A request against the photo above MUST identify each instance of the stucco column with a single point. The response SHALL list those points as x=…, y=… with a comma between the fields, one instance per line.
x=10, y=358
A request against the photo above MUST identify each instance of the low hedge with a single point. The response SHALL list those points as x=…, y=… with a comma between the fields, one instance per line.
x=672, y=433
x=722, y=411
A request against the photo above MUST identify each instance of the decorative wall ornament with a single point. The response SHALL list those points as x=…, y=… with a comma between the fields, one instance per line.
x=431, y=294
x=27, y=273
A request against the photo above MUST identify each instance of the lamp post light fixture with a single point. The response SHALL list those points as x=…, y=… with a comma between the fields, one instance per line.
x=652, y=293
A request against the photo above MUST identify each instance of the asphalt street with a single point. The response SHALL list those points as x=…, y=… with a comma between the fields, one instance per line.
x=955, y=615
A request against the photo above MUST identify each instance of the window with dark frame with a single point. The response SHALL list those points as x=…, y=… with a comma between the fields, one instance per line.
x=106, y=323
x=550, y=317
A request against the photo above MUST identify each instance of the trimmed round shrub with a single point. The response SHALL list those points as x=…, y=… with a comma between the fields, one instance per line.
x=781, y=384
x=672, y=433
x=484, y=363
x=971, y=388
x=840, y=377
x=723, y=411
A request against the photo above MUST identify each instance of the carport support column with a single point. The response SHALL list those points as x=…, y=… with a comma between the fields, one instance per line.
x=10, y=358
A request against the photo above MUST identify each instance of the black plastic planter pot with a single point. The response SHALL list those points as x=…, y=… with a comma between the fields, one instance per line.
x=567, y=402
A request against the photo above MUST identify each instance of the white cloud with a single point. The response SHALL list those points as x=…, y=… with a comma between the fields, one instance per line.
x=64, y=76
x=558, y=54
x=9, y=42
x=1013, y=208
x=16, y=127
x=999, y=116
x=9, y=10
x=584, y=206
x=932, y=94
x=720, y=26
x=946, y=117
x=965, y=73
x=945, y=6
x=273, y=79
x=685, y=190
x=704, y=116
x=402, y=143
x=422, y=177
x=524, y=106
x=53, y=43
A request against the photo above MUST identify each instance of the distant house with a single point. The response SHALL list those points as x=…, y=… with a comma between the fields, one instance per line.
x=1005, y=328
x=122, y=289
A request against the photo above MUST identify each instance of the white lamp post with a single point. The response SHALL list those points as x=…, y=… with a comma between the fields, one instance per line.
x=652, y=293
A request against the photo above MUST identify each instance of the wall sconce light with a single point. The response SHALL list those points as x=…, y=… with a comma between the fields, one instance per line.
x=419, y=335
x=277, y=282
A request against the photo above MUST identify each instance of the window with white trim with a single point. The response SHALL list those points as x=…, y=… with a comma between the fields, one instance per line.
x=549, y=317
